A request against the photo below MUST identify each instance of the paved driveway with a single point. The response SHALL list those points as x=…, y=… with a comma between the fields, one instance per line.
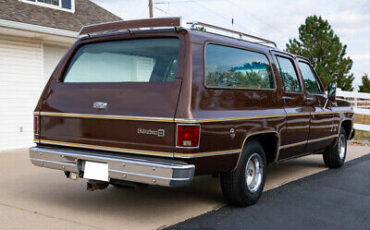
x=333, y=199
x=39, y=198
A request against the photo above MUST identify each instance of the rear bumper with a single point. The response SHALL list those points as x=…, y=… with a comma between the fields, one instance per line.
x=137, y=169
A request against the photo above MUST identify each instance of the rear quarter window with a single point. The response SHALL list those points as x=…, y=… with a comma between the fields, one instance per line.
x=229, y=67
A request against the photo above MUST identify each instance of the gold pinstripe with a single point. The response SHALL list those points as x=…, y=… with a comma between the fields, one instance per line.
x=322, y=138
x=112, y=117
x=179, y=120
x=309, y=141
x=168, y=154
x=216, y=153
x=292, y=145
x=144, y=152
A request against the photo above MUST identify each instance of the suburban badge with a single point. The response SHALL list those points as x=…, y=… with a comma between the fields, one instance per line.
x=159, y=132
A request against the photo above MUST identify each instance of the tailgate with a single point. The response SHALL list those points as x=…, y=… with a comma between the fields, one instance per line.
x=118, y=99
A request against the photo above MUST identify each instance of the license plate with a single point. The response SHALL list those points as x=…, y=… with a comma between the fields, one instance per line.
x=96, y=171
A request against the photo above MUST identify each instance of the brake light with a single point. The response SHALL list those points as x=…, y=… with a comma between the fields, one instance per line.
x=36, y=125
x=188, y=135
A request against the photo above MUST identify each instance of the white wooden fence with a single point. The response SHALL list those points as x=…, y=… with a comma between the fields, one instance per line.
x=361, y=105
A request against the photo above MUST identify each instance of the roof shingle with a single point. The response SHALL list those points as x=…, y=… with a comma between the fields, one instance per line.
x=86, y=12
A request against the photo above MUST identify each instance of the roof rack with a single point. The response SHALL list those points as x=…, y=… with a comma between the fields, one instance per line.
x=129, y=24
x=241, y=34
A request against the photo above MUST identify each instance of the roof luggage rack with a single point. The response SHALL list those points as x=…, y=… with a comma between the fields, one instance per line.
x=155, y=23
x=241, y=34
x=129, y=24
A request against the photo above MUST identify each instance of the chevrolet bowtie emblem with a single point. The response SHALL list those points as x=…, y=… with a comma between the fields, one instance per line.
x=100, y=105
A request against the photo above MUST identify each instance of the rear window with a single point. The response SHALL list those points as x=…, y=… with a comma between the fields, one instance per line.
x=237, y=68
x=139, y=60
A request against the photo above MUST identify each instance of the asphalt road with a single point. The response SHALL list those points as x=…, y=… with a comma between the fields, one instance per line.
x=333, y=199
x=39, y=198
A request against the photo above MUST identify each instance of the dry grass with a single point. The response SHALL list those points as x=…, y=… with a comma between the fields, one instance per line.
x=362, y=119
x=362, y=135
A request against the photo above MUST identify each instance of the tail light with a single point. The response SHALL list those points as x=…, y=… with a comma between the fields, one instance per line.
x=188, y=135
x=36, y=126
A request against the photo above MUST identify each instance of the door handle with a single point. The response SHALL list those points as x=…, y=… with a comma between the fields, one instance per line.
x=309, y=99
x=287, y=98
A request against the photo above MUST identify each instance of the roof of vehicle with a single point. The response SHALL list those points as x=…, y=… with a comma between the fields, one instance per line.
x=173, y=24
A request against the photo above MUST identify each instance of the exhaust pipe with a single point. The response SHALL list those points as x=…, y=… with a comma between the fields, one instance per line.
x=93, y=185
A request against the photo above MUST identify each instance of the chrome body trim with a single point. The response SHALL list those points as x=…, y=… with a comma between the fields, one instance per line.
x=136, y=169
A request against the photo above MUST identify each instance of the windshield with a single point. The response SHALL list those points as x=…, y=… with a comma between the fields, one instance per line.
x=139, y=60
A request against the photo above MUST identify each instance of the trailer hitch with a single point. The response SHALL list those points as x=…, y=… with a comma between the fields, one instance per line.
x=93, y=185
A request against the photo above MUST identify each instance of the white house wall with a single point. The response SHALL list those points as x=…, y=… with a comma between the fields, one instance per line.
x=25, y=66
x=52, y=55
x=20, y=85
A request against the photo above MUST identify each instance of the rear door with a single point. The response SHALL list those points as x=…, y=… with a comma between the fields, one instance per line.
x=116, y=95
x=321, y=125
x=294, y=136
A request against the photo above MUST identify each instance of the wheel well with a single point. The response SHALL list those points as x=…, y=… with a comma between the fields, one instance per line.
x=347, y=125
x=269, y=143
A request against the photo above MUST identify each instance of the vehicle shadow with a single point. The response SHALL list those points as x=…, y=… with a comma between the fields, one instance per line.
x=48, y=192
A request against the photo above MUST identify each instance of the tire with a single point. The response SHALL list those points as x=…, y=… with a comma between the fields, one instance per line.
x=335, y=156
x=238, y=188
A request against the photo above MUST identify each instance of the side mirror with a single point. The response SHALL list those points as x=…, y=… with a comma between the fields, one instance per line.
x=332, y=91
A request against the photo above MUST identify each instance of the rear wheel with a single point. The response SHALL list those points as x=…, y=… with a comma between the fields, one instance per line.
x=244, y=185
x=335, y=156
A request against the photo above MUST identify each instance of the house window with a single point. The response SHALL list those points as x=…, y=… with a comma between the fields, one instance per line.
x=52, y=2
x=67, y=5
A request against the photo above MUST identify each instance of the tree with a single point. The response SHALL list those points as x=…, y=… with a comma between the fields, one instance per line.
x=365, y=87
x=318, y=42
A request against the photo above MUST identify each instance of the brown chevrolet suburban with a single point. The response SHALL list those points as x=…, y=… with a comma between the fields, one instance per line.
x=151, y=102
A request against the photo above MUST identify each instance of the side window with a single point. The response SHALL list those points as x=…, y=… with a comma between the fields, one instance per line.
x=237, y=68
x=288, y=75
x=310, y=81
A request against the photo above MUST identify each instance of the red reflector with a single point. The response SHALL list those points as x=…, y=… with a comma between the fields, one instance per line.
x=36, y=125
x=188, y=135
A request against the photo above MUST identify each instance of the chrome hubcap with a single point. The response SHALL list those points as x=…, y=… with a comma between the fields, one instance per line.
x=342, y=146
x=254, y=172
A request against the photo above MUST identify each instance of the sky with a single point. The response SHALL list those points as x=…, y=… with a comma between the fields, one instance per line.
x=271, y=19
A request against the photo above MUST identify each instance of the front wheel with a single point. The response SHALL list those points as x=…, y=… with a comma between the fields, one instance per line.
x=335, y=156
x=244, y=185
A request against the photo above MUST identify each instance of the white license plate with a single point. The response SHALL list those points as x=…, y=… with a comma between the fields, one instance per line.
x=96, y=171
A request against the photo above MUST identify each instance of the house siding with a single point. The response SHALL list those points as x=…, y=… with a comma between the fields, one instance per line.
x=21, y=82
x=52, y=55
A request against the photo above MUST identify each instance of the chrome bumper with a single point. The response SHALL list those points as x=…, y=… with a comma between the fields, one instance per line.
x=155, y=171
